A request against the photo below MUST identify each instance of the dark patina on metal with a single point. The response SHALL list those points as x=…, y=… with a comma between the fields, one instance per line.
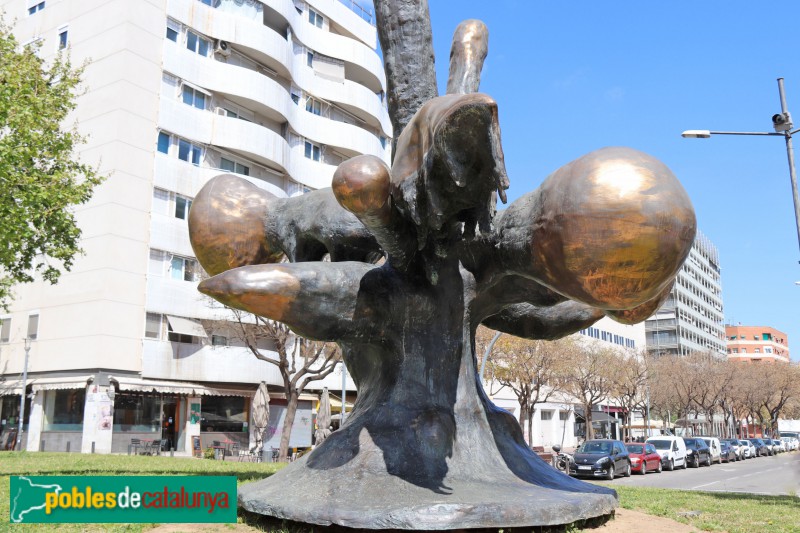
x=424, y=448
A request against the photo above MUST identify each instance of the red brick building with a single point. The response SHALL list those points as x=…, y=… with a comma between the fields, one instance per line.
x=755, y=344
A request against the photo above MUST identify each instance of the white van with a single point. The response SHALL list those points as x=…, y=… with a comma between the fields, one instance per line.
x=716, y=449
x=671, y=449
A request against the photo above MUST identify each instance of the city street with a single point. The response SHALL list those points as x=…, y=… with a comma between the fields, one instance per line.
x=778, y=475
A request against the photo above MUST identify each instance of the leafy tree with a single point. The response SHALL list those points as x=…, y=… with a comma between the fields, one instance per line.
x=40, y=177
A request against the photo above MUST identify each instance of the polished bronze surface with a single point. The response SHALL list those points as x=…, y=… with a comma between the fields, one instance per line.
x=467, y=53
x=610, y=229
x=226, y=225
x=361, y=185
x=641, y=312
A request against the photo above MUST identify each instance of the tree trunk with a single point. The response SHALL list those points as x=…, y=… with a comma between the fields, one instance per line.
x=286, y=431
x=587, y=414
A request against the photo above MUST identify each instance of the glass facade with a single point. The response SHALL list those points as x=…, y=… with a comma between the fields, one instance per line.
x=224, y=414
x=63, y=410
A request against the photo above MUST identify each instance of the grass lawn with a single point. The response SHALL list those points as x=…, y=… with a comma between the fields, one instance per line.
x=77, y=464
x=716, y=511
x=709, y=511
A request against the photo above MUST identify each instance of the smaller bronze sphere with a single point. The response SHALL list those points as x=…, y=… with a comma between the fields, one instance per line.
x=226, y=225
x=361, y=185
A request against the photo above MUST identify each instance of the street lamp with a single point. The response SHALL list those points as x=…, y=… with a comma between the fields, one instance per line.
x=782, y=123
x=28, y=341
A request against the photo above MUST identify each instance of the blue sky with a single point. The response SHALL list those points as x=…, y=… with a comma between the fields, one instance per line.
x=571, y=77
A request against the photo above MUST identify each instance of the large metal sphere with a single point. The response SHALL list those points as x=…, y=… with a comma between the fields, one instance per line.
x=610, y=229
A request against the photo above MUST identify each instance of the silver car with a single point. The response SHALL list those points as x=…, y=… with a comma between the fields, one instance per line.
x=749, y=448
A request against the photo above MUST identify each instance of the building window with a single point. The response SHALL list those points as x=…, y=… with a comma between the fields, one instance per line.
x=163, y=142
x=767, y=349
x=189, y=152
x=313, y=106
x=197, y=44
x=63, y=38
x=383, y=142
x=36, y=7
x=137, y=412
x=546, y=415
x=315, y=18
x=310, y=59
x=563, y=416
x=172, y=34
x=295, y=98
x=63, y=410
x=153, y=327
x=744, y=350
x=5, y=329
x=194, y=97
x=226, y=414
x=182, y=206
x=312, y=151
x=233, y=166
x=219, y=340
x=183, y=268
x=757, y=350
x=33, y=326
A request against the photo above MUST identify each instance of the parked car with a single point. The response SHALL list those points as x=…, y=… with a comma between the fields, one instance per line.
x=778, y=446
x=671, y=449
x=713, y=446
x=749, y=448
x=791, y=443
x=697, y=452
x=601, y=458
x=737, y=446
x=644, y=457
x=727, y=453
x=761, y=447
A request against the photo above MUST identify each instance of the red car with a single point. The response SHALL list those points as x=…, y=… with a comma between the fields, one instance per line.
x=644, y=457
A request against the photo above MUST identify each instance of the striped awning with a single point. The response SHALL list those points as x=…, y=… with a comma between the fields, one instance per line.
x=178, y=387
x=60, y=383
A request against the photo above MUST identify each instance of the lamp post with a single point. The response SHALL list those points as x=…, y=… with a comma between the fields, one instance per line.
x=782, y=123
x=22, y=394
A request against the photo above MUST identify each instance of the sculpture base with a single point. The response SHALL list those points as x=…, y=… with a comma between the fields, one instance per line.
x=370, y=500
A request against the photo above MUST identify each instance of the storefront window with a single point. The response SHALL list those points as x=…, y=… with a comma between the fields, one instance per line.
x=9, y=412
x=63, y=410
x=137, y=412
x=223, y=414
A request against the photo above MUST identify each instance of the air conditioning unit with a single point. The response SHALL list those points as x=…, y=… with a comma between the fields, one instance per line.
x=223, y=48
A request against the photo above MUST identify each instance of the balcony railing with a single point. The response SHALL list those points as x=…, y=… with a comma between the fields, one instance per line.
x=360, y=10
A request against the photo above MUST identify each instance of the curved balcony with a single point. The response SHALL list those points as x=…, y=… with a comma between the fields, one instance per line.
x=260, y=38
x=348, y=19
x=255, y=142
x=265, y=96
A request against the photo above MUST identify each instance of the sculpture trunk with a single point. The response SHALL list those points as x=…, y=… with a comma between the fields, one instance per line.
x=428, y=448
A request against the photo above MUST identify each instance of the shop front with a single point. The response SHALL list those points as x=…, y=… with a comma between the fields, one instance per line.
x=148, y=416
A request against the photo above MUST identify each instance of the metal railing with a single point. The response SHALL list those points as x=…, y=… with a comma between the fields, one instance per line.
x=360, y=10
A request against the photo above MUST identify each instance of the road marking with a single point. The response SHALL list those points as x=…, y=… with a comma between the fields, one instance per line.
x=705, y=485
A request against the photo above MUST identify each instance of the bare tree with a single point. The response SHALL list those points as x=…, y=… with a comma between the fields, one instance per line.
x=529, y=369
x=588, y=376
x=782, y=383
x=630, y=384
x=300, y=361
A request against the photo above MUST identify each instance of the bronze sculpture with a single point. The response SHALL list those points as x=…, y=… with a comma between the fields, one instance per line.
x=424, y=448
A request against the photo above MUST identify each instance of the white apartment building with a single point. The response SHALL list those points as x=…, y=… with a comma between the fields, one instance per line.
x=178, y=91
x=692, y=318
x=559, y=420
